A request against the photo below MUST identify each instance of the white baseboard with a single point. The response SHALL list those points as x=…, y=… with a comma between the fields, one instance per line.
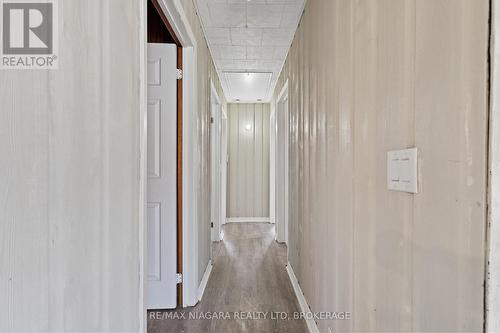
x=248, y=219
x=204, y=281
x=304, y=307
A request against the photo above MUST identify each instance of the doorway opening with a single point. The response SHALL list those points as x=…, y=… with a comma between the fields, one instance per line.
x=280, y=163
x=164, y=242
x=217, y=160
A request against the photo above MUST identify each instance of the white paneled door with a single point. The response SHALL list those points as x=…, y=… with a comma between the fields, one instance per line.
x=161, y=290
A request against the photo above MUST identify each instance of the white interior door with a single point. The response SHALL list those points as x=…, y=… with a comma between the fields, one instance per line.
x=215, y=132
x=161, y=290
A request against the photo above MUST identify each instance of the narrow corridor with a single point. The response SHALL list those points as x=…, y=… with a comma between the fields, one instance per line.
x=248, y=279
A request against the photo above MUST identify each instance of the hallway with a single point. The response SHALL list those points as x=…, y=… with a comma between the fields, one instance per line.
x=226, y=166
x=248, y=276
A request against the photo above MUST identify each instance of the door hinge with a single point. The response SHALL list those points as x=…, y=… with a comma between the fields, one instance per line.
x=178, y=278
x=211, y=224
x=211, y=120
x=179, y=74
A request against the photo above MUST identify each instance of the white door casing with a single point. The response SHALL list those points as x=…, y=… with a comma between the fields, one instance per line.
x=282, y=164
x=215, y=165
x=223, y=168
x=161, y=285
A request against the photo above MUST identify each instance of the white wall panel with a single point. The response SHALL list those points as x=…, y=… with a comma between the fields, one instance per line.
x=248, y=171
x=69, y=175
x=69, y=178
x=205, y=74
x=370, y=76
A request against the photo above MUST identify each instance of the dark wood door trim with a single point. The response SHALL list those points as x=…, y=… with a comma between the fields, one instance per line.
x=165, y=22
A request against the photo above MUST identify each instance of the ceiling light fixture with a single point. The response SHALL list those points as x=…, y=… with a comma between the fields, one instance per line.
x=248, y=86
x=248, y=127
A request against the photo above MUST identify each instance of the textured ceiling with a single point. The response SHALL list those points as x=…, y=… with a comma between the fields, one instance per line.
x=249, y=36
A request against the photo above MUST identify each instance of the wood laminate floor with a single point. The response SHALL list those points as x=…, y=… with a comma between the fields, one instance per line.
x=248, y=281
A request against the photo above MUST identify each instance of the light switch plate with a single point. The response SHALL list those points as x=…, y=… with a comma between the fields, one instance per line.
x=402, y=170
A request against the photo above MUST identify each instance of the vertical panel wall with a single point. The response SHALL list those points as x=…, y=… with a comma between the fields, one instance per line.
x=366, y=77
x=69, y=178
x=248, y=171
x=205, y=74
x=69, y=175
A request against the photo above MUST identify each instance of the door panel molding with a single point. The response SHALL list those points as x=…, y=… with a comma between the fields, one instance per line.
x=161, y=291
